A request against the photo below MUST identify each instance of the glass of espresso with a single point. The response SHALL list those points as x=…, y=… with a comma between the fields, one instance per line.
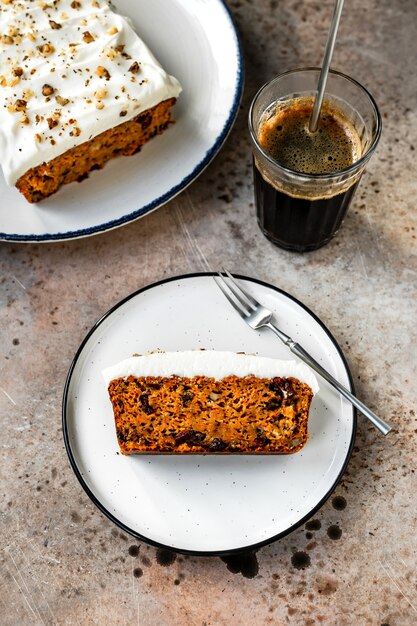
x=304, y=181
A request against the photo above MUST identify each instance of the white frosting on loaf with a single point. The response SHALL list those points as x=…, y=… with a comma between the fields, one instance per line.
x=210, y=363
x=69, y=70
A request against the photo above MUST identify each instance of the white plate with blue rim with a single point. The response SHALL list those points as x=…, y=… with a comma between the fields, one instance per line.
x=205, y=505
x=195, y=41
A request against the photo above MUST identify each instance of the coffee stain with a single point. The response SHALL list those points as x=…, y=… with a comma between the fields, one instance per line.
x=165, y=557
x=245, y=563
x=339, y=503
x=133, y=550
x=300, y=560
x=334, y=532
x=313, y=524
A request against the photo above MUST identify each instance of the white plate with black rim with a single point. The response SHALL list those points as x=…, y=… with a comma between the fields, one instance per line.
x=195, y=41
x=203, y=504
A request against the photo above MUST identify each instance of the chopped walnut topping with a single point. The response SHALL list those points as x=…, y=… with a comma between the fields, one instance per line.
x=100, y=94
x=12, y=82
x=20, y=105
x=38, y=138
x=24, y=119
x=134, y=68
x=6, y=39
x=46, y=49
x=111, y=53
x=102, y=72
x=54, y=25
x=62, y=101
x=47, y=90
x=28, y=94
x=113, y=30
x=31, y=36
x=88, y=37
x=64, y=16
x=75, y=5
x=52, y=123
x=95, y=4
x=100, y=105
x=17, y=71
x=76, y=132
x=123, y=113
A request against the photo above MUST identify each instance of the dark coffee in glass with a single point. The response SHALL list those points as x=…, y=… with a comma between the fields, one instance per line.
x=297, y=223
x=304, y=181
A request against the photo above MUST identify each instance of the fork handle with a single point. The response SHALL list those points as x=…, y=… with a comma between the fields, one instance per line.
x=305, y=356
x=370, y=415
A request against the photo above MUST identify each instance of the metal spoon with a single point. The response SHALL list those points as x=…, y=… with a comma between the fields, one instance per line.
x=325, y=66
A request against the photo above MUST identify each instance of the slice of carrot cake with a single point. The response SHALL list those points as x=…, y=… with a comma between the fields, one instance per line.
x=204, y=402
x=77, y=88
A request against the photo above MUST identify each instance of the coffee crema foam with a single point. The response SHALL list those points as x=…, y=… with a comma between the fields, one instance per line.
x=284, y=134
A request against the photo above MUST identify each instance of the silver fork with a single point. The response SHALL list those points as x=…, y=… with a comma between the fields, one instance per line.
x=258, y=316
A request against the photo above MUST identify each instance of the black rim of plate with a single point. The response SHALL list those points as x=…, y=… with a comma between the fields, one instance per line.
x=178, y=188
x=137, y=535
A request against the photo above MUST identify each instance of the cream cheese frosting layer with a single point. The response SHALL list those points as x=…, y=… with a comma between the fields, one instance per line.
x=69, y=70
x=210, y=363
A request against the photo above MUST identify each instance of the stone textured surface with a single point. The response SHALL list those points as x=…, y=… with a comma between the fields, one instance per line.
x=61, y=561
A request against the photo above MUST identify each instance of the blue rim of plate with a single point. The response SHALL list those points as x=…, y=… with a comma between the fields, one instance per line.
x=169, y=195
x=156, y=544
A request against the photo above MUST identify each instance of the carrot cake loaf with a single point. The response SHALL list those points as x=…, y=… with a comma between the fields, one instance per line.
x=77, y=88
x=203, y=402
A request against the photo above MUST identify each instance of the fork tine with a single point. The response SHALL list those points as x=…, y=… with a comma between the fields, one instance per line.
x=221, y=284
x=236, y=293
x=241, y=293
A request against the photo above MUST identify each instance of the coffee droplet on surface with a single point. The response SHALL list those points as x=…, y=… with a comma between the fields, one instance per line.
x=284, y=134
